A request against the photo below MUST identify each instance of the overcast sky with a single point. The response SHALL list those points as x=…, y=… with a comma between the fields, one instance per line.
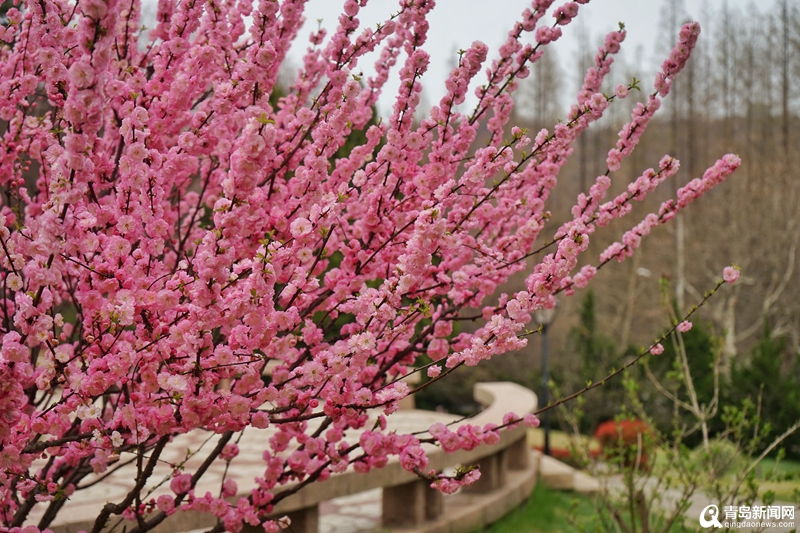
x=456, y=24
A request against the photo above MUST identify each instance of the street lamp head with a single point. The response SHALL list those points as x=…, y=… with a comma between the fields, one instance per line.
x=545, y=316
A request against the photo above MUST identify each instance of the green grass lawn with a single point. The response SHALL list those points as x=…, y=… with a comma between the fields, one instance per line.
x=546, y=511
x=786, y=478
x=786, y=466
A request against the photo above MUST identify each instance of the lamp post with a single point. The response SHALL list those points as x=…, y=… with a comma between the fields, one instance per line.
x=545, y=317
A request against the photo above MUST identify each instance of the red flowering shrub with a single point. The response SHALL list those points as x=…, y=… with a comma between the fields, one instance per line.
x=626, y=440
x=569, y=456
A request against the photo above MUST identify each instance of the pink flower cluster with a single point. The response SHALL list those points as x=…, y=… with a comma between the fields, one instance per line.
x=730, y=274
x=632, y=238
x=186, y=245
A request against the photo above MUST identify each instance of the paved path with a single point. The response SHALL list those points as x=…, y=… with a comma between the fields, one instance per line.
x=85, y=504
x=359, y=513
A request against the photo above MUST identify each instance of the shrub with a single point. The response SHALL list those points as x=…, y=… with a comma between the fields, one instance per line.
x=626, y=441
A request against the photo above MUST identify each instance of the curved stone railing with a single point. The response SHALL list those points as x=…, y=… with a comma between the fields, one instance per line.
x=408, y=502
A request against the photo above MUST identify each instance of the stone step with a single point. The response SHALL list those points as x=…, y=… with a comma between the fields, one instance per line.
x=585, y=484
x=555, y=474
x=559, y=476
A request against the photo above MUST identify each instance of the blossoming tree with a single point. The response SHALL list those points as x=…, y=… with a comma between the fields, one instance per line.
x=169, y=229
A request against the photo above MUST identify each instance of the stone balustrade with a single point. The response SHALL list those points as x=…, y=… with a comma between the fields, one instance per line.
x=508, y=474
x=408, y=501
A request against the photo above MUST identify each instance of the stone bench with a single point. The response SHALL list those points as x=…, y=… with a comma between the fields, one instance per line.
x=408, y=502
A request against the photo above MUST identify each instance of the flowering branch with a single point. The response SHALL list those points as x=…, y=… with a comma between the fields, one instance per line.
x=186, y=246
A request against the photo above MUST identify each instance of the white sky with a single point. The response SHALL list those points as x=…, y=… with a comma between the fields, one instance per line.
x=456, y=24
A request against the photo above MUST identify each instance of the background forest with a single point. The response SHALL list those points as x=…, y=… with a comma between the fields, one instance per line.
x=740, y=92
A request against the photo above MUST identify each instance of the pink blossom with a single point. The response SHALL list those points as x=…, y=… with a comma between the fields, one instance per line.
x=181, y=483
x=229, y=488
x=229, y=451
x=413, y=457
x=531, y=420
x=298, y=461
x=173, y=383
x=511, y=420
x=684, y=326
x=656, y=349
x=165, y=503
x=434, y=371
x=81, y=74
x=730, y=274
x=301, y=227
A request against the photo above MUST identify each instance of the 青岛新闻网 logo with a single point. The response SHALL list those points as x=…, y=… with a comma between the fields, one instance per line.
x=747, y=516
x=711, y=511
